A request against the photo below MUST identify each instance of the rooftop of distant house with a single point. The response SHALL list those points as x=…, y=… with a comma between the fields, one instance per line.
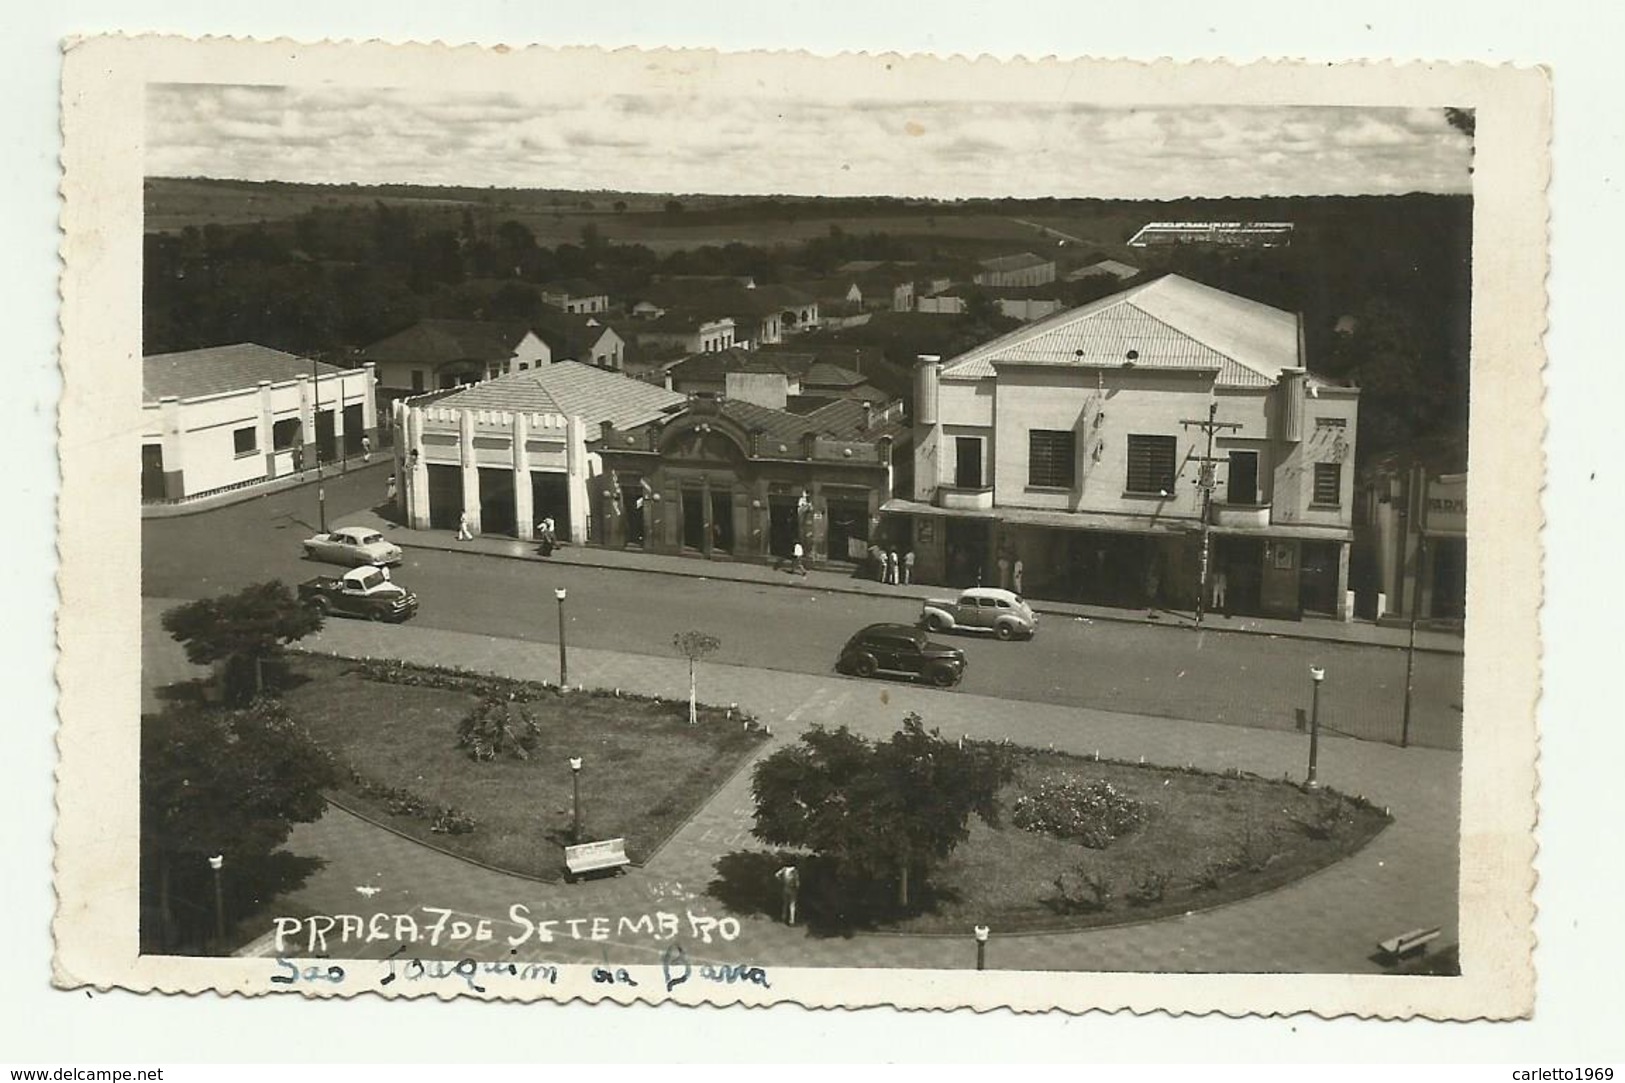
x=433, y=342
x=1019, y=262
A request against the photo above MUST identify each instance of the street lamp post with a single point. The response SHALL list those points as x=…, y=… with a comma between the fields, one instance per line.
x=575, y=785
x=218, y=863
x=564, y=662
x=1316, y=675
x=981, y=946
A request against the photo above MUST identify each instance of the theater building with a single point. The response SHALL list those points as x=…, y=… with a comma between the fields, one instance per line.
x=1080, y=446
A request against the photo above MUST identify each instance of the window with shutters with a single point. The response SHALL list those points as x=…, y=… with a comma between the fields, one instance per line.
x=1051, y=459
x=1151, y=461
x=1328, y=484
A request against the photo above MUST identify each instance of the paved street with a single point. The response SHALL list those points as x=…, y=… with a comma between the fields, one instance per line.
x=1210, y=676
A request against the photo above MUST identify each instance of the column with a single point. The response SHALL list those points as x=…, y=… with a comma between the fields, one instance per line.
x=1345, y=603
x=369, y=403
x=263, y=432
x=470, y=466
x=174, y=440
x=575, y=452
x=307, y=422
x=340, y=397
x=524, y=509
x=415, y=480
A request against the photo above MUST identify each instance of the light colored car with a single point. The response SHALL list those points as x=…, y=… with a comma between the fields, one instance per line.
x=357, y=545
x=982, y=609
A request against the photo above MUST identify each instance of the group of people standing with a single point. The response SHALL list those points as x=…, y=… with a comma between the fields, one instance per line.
x=891, y=568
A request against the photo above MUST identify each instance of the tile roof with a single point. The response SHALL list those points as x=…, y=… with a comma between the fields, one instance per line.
x=1115, y=268
x=570, y=336
x=568, y=387
x=842, y=420
x=1171, y=323
x=216, y=369
x=713, y=366
x=435, y=342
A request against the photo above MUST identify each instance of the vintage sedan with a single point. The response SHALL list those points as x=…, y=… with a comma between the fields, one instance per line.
x=981, y=609
x=904, y=651
x=355, y=545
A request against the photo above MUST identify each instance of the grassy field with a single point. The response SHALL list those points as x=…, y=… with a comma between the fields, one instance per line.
x=645, y=769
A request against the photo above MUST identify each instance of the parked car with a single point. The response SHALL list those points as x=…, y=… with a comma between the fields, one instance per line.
x=982, y=609
x=353, y=545
x=360, y=592
x=904, y=650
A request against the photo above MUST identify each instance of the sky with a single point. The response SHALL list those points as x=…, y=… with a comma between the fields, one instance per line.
x=692, y=143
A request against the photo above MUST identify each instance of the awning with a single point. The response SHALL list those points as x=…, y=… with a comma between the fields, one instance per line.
x=1114, y=523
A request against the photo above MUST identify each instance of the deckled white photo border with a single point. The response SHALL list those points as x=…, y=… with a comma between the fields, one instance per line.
x=100, y=542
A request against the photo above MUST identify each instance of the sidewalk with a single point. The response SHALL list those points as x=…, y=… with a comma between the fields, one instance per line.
x=1355, y=632
x=1326, y=923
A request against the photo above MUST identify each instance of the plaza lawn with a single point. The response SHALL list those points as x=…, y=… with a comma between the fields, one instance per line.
x=1215, y=838
x=645, y=768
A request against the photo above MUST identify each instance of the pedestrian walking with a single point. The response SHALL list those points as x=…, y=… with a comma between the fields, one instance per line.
x=546, y=540
x=1016, y=575
x=798, y=563
x=299, y=460
x=908, y=566
x=789, y=879
x=877, y=562
x=1220, y=587
x=464, y=531
x=390, y=489
x=891, y=566
x=366, y=448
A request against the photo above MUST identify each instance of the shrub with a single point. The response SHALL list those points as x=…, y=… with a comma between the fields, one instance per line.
x=1149, y=887
x=498, y=726
x=452, y=821
x=1084, y=891
x=1093, y=813
x=398, y=801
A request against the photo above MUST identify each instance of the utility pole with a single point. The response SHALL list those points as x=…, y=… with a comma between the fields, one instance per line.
x=1417, y=519
x=1205, y=482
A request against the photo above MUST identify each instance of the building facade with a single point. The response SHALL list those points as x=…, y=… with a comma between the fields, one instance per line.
x=1413, y=532
x=230, y=416
x=1022, y=269
x=1100, y=447
x=727, y=479
x=510, y=452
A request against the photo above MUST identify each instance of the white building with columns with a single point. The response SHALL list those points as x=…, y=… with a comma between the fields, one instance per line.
x=512, y=451
x=227, y=417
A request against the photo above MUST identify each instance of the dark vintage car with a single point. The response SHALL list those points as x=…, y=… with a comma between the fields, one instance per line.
x=903, y=650
x=367, y=593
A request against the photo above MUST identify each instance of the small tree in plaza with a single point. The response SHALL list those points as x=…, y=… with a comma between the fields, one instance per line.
x=893, y=809
x=242, y=631
x=694, y=645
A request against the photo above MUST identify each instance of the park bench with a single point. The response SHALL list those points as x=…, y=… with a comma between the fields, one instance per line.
x=595, y=857
x=1398, y=947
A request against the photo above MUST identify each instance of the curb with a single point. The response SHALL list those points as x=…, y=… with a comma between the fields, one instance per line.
x=1177, y=621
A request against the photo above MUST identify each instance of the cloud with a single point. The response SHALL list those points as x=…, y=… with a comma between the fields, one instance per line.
x=689, y=141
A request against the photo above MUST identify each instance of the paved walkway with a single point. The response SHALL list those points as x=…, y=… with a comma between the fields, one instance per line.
x=1357, y=632
x=1325, y=923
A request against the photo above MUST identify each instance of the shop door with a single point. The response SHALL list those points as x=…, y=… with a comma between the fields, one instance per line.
x=784, y=525
x=848, y=537
x=966, y=543
x=694, y=519
x=1449, y=578
x=354, y=429
x=1242, y=560
x=152, y=471
x=327, y=447
x=722, y=520
x=633, y=510
x=550, y=499
x=1317, y=578
x=497, y=514
x=445, y=496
